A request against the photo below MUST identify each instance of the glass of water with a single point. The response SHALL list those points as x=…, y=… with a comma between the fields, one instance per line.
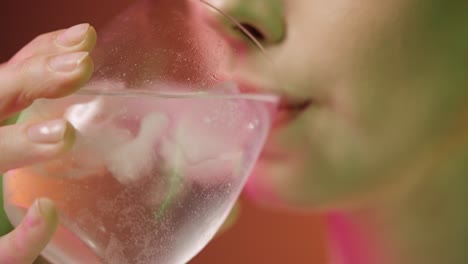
x=166, y=136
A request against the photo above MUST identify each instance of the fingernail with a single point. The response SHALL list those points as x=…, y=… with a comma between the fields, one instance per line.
x=73, y=36
x=50, y=132
x=67, y=62
x=41, y=210
x=34, y=216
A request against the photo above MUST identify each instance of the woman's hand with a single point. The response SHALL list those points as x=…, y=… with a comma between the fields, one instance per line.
x=53, y=65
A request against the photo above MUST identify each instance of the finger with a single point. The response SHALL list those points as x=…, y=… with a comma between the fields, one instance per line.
x=26, y=144
x=81, y=37
x=24, y=244
x=48, y=76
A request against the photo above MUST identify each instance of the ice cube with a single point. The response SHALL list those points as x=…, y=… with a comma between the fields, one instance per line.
x=136, y=158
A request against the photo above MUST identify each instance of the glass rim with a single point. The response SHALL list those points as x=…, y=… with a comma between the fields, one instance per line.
x=265, y=97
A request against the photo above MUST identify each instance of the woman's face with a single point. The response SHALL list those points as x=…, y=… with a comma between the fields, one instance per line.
x=385, y=81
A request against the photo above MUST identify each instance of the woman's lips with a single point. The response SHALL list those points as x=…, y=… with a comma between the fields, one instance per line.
x=289, y=110
x=288, y=105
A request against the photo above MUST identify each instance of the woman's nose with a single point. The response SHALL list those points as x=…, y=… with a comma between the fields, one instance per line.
x=263, y=19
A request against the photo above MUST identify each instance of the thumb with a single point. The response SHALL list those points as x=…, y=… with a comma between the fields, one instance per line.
x=24, y=244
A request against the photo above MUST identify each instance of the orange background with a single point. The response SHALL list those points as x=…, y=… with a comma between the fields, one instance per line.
x=259, y=236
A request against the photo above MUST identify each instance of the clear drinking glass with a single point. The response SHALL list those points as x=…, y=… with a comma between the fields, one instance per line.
x=166, y=137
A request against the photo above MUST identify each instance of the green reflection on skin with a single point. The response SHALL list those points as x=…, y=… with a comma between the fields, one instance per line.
x=5, y=226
